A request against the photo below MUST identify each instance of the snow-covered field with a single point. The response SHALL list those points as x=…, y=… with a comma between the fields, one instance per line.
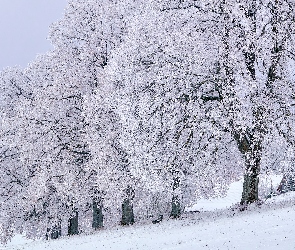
x=270, y=226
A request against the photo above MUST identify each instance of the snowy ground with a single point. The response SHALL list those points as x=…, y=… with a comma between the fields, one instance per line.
x=270, y=226
x=233, y=195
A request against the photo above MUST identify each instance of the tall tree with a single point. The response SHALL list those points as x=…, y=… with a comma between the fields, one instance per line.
x=166, y=92
x=253, y=77
x=15, y=91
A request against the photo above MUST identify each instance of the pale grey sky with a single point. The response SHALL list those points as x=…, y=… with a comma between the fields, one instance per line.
x=24, y=26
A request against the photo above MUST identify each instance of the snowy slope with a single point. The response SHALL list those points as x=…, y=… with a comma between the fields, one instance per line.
x=270, y=226
x=233, y=195
x=265, y=229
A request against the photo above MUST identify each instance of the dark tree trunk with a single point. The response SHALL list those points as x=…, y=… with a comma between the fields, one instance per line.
x=250, y=145
x=54, y=232
x=251, y=176
x=97, y=214
x=73, y=224
x=250, y=188
x=127, y=213
x=176, y=206
x=127, y=208
x=252, y=156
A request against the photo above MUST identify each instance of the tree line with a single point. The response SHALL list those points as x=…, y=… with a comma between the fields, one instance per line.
x=142, y=108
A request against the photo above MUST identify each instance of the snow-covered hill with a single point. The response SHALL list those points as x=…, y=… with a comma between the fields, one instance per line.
x=233, y=195
x=272, y=229
x=269, y=226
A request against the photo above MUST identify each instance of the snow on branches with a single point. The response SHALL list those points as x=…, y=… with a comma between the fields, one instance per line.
x=142, y=108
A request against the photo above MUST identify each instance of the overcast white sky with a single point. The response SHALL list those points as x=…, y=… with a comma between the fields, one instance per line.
x=24, y=26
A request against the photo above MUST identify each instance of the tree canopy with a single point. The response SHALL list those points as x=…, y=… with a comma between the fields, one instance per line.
x=141, y=109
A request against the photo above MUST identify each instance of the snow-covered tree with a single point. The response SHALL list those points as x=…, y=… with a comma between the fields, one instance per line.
x=109, y=165
x=15, y=91
x=165, y=74
x=54, y=134
x=49, y=141
x=257, y=81
x=142, y=108
x=193, y=74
